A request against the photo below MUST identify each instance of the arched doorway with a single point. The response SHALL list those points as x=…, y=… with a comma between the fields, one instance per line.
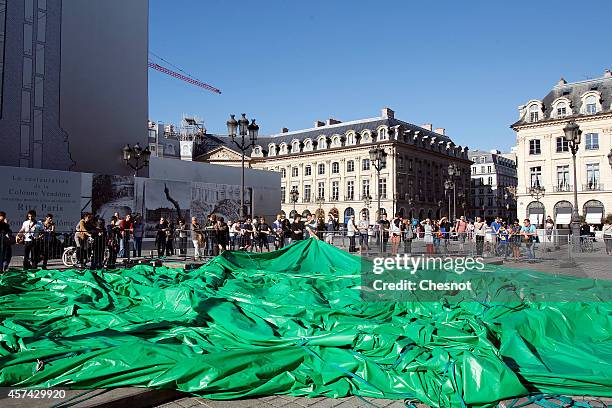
x=429, y=214
x=306, y=213
x=438, y=214
x=563, y=213
x=382, y=212
x=535, y=212
x=402, y=211
x=411, y=214
x=593, y=211
x=421, y=214
x=347, y=213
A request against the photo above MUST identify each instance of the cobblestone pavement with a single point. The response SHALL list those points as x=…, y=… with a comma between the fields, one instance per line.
x=278, y=401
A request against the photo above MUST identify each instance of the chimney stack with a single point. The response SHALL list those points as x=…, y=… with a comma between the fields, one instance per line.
x=607, y=73
x=319, y=123
x=562, y=81
x=332, y=121
x=427, y=126
x=441, y=131
x=284, y=130
x=388, y=113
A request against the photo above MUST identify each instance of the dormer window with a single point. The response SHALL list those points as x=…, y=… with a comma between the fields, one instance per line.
x=321, y=144
x=382, y=134
x=350, y=139
x=307, y=145
x=365, y=137
x=295, y=146
x=561, y=110
x=271, y=149
x=534, y=113
x=336, y=142
x=591, y=105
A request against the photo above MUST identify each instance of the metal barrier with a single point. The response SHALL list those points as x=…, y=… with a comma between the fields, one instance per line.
x=97, y=249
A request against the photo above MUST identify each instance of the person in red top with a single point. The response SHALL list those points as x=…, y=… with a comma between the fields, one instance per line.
x=126, y=226
x=461, y=229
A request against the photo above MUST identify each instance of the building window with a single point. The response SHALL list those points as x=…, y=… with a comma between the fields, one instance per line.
x=488, y=169
x=350, y=190
x=534, y=146
x=365, y=164
x=563, y=178
x=382, y=134
x=490, y=181
x=350, y=165
x=283, y=173
x=382, y=187
x=482, y=169
x=483, y=159
x=365, y=188
x=474, y=170
x=562, y=145
x=307, y=171
x=592, y=170
x=534, y=113
x=350, y=139
x=321, y=190
x=321, y=168
x=536, y=176
x=283, y=195
x=335, y=191
x=591, y=141
x=306, y=193
x=561, y=110
x=410, y=163
x=294, y=172
x=335, y=168
x=591, y=105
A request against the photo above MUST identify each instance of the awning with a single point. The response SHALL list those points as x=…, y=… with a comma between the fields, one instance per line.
x=563, y=218
x=593, y=217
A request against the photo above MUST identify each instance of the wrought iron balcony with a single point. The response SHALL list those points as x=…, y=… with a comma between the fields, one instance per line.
x=563, y=188
x=593, y=186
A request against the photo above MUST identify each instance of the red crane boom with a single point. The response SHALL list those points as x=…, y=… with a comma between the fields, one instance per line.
x=183, y=77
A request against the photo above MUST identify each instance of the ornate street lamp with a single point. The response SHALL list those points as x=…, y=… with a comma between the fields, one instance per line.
x=573, y=134
x=454, y=173
x=448, y=186
x=238, y=130
x=294, y=194
x=378, y=160
x=136, y=157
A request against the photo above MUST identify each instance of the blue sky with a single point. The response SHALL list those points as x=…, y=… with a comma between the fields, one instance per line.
x=461, y=65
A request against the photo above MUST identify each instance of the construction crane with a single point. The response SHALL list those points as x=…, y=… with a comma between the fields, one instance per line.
x=187, y=78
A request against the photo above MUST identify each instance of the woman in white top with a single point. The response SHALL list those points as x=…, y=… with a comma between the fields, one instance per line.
x=428, y=236
x=395, y=231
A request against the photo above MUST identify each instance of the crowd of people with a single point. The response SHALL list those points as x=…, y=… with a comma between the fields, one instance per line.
x=100, y=244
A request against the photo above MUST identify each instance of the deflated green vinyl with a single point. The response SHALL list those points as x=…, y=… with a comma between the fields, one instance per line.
x=294, y=322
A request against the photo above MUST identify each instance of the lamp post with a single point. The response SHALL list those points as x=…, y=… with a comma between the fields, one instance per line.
x=573, y=134
x=294, y=194
x=454, y=173
x=378, y=160
x=320, y=201
x=238, y=130
x=448, y=185
x=136, y=157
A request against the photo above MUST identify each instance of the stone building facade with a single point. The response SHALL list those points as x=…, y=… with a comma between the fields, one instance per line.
x=545, y=160
x=492, y=185
x=330, y=168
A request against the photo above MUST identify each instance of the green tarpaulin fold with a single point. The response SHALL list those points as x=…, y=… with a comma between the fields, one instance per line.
x=294, y=322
